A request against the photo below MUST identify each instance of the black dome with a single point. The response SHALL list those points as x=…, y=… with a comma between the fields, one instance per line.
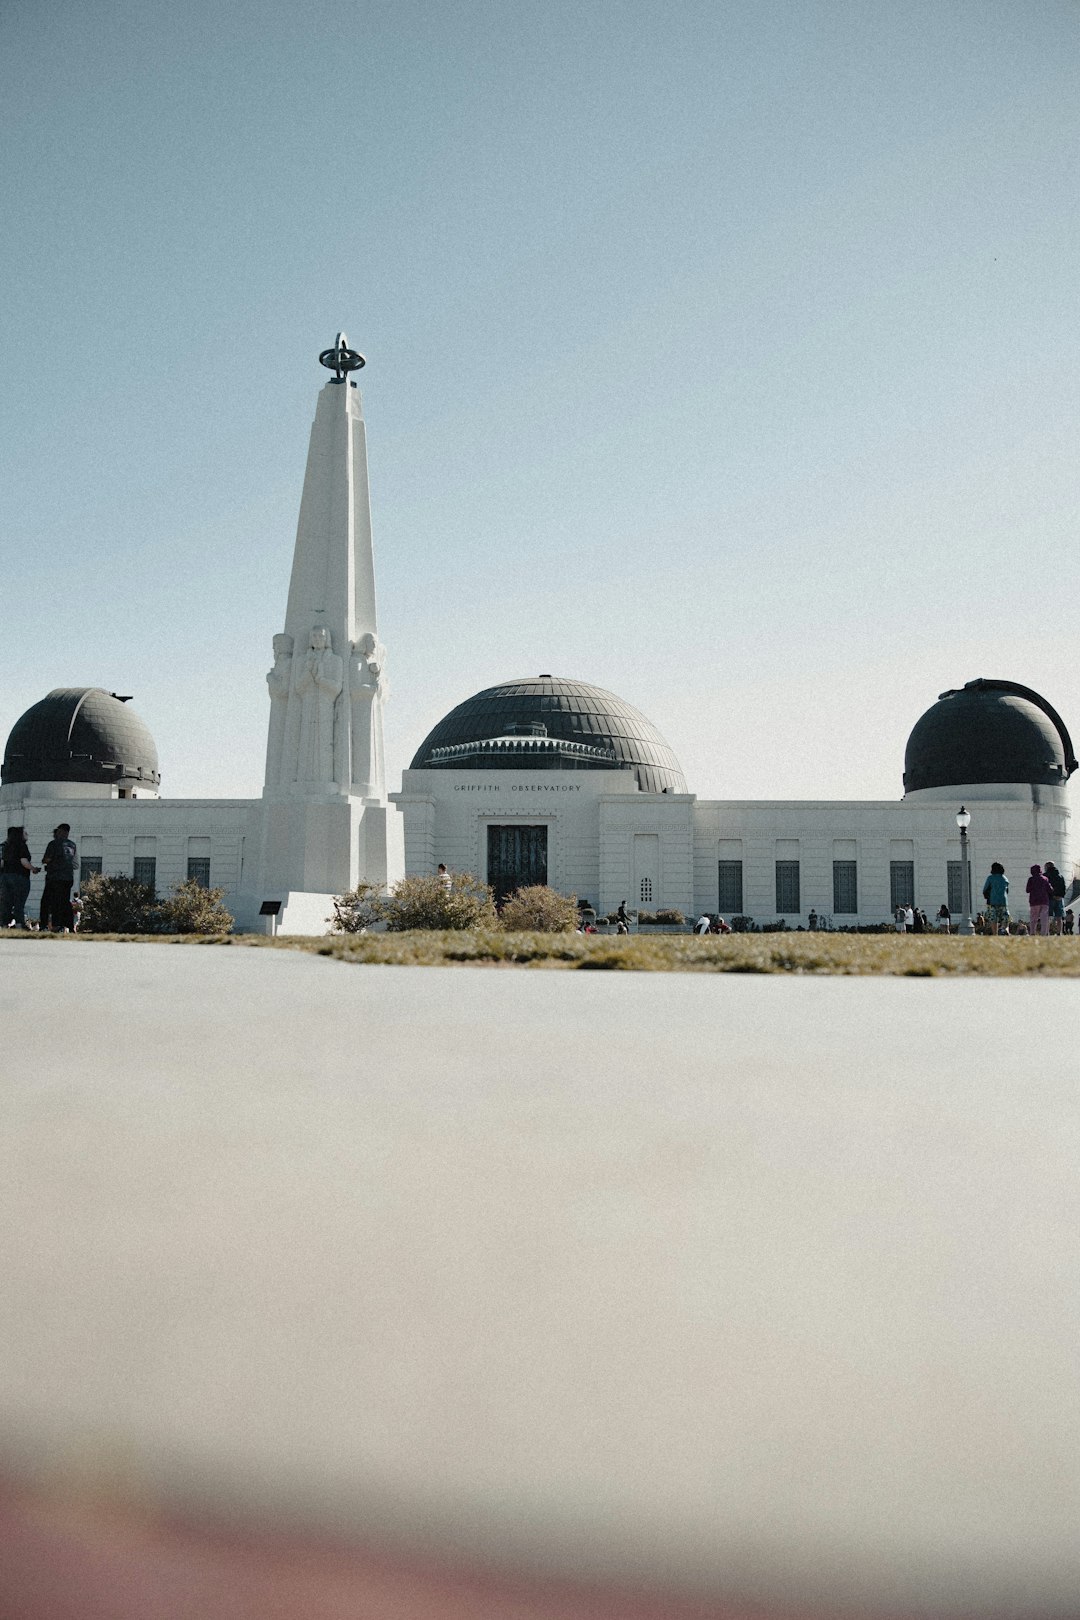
x=550, y=724
x=81, y=734
x=988, y=731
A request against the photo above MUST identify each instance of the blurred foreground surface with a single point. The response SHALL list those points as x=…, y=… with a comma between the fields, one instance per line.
x=335, y=1290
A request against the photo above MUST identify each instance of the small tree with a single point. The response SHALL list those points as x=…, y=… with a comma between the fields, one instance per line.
x=540, y=910
x=425, y=902
x=191, y=909
x=117, y=905
x=357, y=910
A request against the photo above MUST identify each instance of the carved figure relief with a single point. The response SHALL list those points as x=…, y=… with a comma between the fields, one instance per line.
x=317, y=682
x=367, y=689
x=279, y=680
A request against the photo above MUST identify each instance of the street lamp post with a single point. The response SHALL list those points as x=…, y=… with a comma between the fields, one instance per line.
x=963, y=821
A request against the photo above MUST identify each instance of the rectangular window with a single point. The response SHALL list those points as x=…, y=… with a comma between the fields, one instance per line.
x=729, y=888
x=787, y=888
x=901, y=883
x=845, y=888
x=198, y=867
x=89, y=866
x=954, y=873
x=145, y=870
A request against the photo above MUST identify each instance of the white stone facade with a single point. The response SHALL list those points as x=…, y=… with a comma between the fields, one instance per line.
x=608, y=842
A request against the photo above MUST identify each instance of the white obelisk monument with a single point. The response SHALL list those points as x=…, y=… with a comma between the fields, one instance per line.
x=325, y=816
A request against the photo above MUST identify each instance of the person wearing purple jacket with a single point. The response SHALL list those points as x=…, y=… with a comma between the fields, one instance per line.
x=1038, y=893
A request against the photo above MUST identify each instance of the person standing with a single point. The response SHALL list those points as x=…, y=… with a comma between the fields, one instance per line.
x=16, y=869
x=1039, y=894
x=943, y=920
x=996, y=894
x=59, y=863
x=1057, y=897
x=444, y=878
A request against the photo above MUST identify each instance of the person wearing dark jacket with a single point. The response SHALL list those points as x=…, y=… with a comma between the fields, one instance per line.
x=15, y=871
x=1039, y=894
x=59, y=863
x=1057, y=897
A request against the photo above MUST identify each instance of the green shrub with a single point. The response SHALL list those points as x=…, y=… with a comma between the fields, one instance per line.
x=540, y=910
x=425, y=902
x=742, y=925
x=118, y=905
x=357, y=910
x=191, y=909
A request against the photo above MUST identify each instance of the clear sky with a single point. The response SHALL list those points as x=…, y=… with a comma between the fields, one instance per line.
x=723, y=354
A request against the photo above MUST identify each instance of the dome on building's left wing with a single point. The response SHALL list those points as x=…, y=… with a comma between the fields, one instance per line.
x=82, y=734
x=544, y=723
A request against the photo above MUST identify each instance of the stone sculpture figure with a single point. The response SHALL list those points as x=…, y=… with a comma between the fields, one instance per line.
x=317, y=683
x=367, y=689
x=279, y=680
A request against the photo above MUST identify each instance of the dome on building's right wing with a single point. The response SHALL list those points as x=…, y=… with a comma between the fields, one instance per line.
x=82, y=734
x=988, y=731
x=549, y=724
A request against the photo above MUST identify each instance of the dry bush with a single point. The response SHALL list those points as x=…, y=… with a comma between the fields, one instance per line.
x=425, y=902
x=191, y=909
x=538, y=909
x=117, y=905
x=357, y=910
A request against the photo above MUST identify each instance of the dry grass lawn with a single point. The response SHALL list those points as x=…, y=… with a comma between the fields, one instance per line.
x=918, y=956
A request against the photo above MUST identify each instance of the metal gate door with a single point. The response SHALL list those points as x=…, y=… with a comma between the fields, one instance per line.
x=517, y=856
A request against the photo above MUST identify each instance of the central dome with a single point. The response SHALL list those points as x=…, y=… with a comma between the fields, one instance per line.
x=545, y=723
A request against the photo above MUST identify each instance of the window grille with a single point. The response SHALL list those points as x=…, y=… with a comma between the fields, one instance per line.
x=198, y=867
x=901, y=883
x=787, y=888
x=729, y=888
x=646, y=891
x=89, y=866
x=845, y=888
x=145, y=870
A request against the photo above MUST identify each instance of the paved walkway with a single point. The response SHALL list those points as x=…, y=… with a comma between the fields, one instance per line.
x=721, y=1285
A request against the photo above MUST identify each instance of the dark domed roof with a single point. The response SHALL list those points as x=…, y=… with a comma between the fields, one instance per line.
x=550, y=724
x=82, y=734
x=988, y=731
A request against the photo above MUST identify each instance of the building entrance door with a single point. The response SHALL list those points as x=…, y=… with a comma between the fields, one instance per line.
x=516, y=857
